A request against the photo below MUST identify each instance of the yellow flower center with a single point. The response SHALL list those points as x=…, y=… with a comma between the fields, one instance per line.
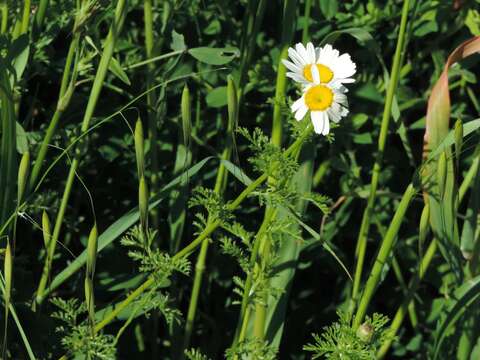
x=319, y=98
x=325, y=73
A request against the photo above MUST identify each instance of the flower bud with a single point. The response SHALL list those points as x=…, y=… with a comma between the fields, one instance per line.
x=46, y=229
x=92, y=251
x=186, y=115
x=232, y=102
x=365, y=332
x=442, y=173
x=139, y=148
x=23, y=171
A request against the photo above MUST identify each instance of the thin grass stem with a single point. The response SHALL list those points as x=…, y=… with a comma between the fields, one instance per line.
x=366, y=219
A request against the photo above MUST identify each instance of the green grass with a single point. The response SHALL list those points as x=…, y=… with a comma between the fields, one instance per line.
x=159, y=200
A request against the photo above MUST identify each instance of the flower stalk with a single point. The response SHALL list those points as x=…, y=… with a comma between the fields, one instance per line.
x=366, y=219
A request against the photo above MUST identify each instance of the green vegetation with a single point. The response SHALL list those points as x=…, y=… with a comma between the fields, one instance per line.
x=159, y=200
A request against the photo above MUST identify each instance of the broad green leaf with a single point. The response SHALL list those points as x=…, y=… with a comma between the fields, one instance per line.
x=214, y=56
x=329, y=8
x=217, y=97
x=18, y=54
x=178, y=42
x=22, y=140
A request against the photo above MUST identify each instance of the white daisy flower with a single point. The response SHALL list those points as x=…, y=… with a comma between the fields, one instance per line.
x=324, y=102
x=334, y=69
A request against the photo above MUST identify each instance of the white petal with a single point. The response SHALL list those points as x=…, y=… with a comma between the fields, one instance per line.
x=300, y=114
x=295, y=77
x=344, y=67
x=311, y=53
x=292, y=67
x=302, y=52
x=326, y=124
x=297, y=104
x=296, y=58
x=315, y=74
x=334, y=113
x=317, y=120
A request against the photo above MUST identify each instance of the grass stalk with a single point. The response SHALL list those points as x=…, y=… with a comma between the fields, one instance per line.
x=40, y=14
x=97, y=86
x=25, y=16
x=366, y=219
x=4, y=15
x=383, y=255
x=62, y=104
x=151, y=101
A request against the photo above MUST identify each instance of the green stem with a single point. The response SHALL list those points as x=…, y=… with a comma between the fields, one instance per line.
x=187, y=250
x=244, y=315
x=92, y=102
x=25, y=16
x=58, y=112
x=40, y=14
x=366, y=219
x=306, y=21
x=383, y=254
x=151, y=101
x=4, y=15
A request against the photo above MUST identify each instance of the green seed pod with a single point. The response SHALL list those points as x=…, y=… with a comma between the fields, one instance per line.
x=65, y=99
x=165, y=15
x=46, y=229
x=139, y=148
x=89, y=298
x=23, y=172
x=92, y=251
x=442, y=173
x=424, y=223
x=365, y=332
x=232, y=102
x=186, y=115
x=143, y=202
x=7, y=273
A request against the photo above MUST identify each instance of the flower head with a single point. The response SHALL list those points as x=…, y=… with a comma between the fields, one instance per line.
x=333, y=69
x=324, y=102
